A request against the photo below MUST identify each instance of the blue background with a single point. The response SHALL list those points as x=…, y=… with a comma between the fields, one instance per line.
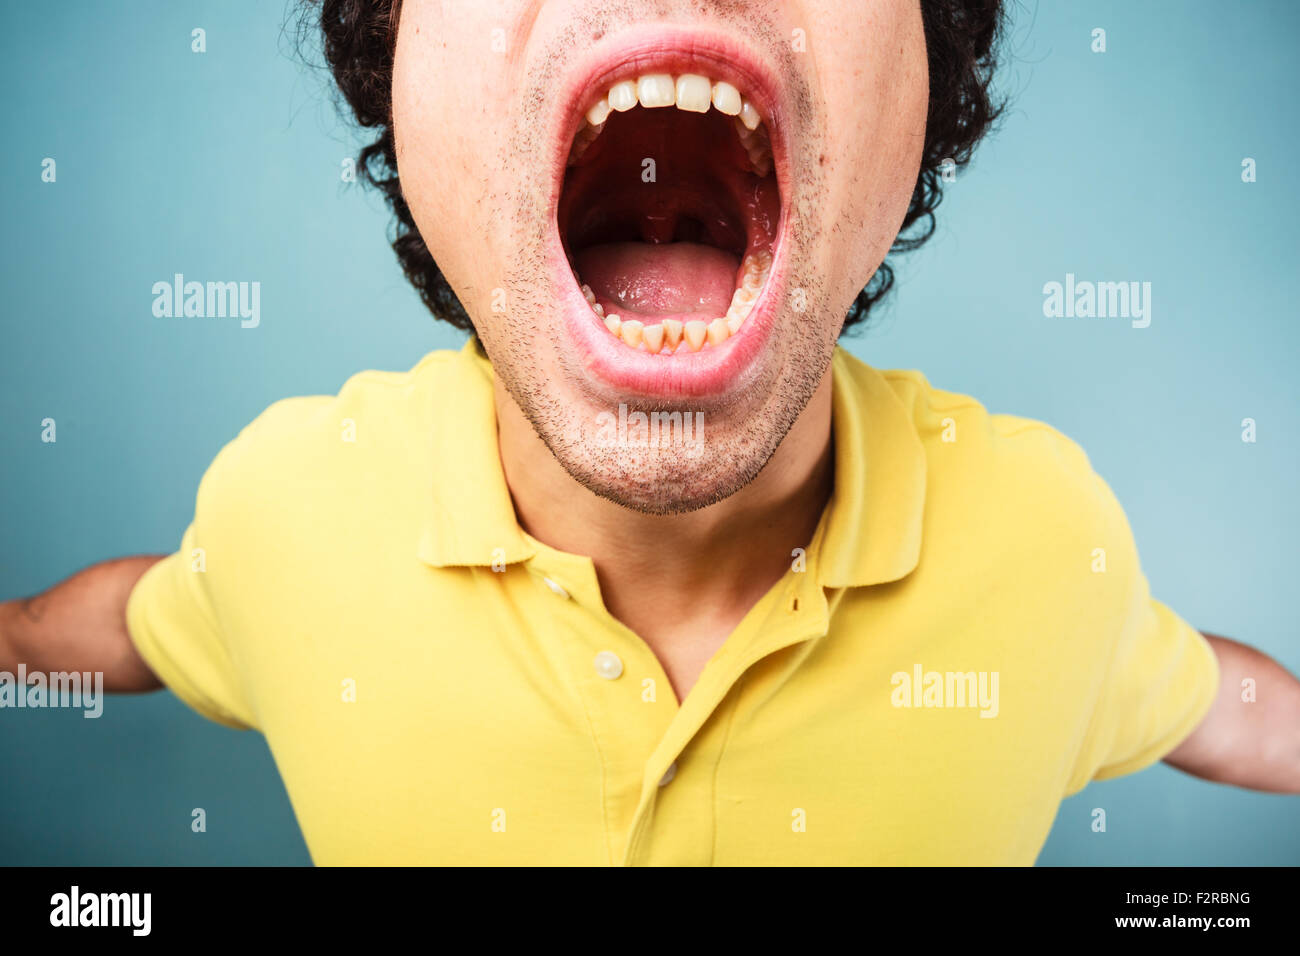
x=1117, y=166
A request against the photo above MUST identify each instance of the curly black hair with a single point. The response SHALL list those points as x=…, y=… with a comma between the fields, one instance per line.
x=962, y=44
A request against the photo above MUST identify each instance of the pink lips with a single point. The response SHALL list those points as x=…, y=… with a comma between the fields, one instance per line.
x=607, y=361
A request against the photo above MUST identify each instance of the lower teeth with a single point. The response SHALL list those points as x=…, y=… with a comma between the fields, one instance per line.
x=672, y=336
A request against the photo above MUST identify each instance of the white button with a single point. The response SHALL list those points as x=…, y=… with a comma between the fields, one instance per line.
x=555, y=587
x=671, y=772
x=608, y=665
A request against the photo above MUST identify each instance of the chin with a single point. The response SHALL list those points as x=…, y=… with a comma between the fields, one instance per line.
x=655, y=480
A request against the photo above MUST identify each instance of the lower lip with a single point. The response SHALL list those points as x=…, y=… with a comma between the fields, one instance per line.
x=712, y=371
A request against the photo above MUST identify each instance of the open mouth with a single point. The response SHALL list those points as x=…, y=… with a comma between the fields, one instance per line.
x=669, y=213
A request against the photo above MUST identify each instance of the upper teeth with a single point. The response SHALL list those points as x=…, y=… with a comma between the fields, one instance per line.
x=690, y=92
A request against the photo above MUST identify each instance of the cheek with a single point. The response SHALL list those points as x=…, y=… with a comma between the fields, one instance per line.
x=437, y=190
x=877, y=99
x=443, y=132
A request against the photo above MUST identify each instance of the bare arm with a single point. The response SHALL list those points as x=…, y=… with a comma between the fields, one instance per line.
x=79, y=625
x=1254, y=744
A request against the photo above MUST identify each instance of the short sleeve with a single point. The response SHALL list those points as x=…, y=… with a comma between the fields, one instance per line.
x=175, y=627
x=1164, y=680
x=1160, y=681
x=195, y=615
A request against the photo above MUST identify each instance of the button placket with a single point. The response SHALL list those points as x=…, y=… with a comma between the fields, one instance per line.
x=790, y=624
x=608, y=666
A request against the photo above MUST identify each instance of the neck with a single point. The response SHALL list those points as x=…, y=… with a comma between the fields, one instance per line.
x=716, y=561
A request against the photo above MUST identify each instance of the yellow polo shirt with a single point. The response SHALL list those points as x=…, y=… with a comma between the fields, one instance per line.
x=967, y=639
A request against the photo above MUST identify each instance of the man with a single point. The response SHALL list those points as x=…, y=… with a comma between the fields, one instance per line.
x=650, y=572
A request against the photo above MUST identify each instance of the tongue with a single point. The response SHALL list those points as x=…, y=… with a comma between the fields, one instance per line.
x=681, y=279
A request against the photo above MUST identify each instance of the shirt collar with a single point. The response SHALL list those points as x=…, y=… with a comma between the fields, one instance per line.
x=871, y=530
x=470, y=519
x=873, y=520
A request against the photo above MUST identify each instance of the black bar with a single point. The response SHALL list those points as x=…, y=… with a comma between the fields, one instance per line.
x=979, y=905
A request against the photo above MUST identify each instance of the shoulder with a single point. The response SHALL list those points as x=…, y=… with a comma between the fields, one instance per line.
x=301, y=447
x=1010, y=475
